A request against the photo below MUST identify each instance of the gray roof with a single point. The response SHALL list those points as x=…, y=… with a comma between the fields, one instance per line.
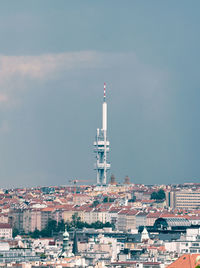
x=172, y=222
x=177, y=222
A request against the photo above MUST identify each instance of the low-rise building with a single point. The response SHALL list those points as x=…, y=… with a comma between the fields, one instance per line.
x=5, y=231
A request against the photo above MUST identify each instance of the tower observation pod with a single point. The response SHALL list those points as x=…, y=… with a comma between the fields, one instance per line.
x=101, y=146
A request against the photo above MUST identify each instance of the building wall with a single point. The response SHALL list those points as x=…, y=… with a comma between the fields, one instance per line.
x=182, y=247
x=150, y=221
x=122, y=222
x=35, y=220
x=57, y=215
x=102, y=216
x=183, y=199
x=140, y=221
x=113, y=218
x=67, y=215
x=131, y=222
x=6, y=233
x=3, y=218
x=26, y=221
x=16, y=219
x=45, y=217
x=88, y=216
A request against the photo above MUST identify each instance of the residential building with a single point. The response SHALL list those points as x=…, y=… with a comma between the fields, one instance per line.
x=122, y=220
x=141, y=219
x=131, y=219
x=5, y=231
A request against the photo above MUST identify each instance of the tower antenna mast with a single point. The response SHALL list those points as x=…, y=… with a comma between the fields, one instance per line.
x=102, y=146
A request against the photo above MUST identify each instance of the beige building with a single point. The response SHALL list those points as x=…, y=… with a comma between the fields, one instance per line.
x=46, y=215
x=152, y=217
x=122, y=220
x=31, y=220
x=131, y=220
x=3, y=218
x=5, y=231
x=100, y=215
x=67, y=215
x=79, y=199
x=88, y=215
x=183, y=199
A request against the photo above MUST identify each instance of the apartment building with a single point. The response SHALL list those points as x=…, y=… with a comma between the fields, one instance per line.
x=113, y=215
x=3, y=218
x=141, y=219
x=122, y=220
x=184, y=199
x=131, y=219
x=151, y=218
x=31, y=220
x=88, y=215
x=16, y=219
x=5, y=231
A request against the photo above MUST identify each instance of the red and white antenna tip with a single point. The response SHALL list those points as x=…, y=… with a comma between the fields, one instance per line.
x=104, y=92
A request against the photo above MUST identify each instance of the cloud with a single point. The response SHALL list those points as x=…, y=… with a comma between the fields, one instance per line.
x=18, y=73
x=21, y=73
x=42, y=66
x=3, y=97
x=4, y=127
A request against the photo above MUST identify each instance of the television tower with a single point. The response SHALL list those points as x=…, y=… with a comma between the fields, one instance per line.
x=101, y=146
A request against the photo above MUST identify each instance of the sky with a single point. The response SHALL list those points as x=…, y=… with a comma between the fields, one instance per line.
x=54, y=59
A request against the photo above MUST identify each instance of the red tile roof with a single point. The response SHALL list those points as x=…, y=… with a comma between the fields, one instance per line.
x=185, y=261
x=5, y=226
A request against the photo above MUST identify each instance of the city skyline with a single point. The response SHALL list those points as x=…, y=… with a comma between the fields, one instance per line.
x=54, y=59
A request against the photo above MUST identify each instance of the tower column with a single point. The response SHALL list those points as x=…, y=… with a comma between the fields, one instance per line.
x=101, y=146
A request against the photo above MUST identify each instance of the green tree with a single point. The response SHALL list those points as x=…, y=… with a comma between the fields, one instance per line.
x=154, y=196
x=61, y=226
x=75, y=220
x=97, y=225
x=105, y=200
x=43, y=256
x=35, y=234
x=160, y=195
x=95, y=203
x=15, y=232
x=49, y=229
x=108, y=224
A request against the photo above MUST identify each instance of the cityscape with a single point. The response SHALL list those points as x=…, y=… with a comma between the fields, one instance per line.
x=99, y=134
x=112, y=225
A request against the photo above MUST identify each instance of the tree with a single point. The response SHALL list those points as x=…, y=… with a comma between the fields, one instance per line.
x=15, y=232
x=160, y=195
x=75, y=220
x=105, y=200
x=97, y=225
x=43, y=256
x=35, y=234
x=95, y=203
x=154, y=195
x=108, y=224
x=61, y=226
x=49, y=229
